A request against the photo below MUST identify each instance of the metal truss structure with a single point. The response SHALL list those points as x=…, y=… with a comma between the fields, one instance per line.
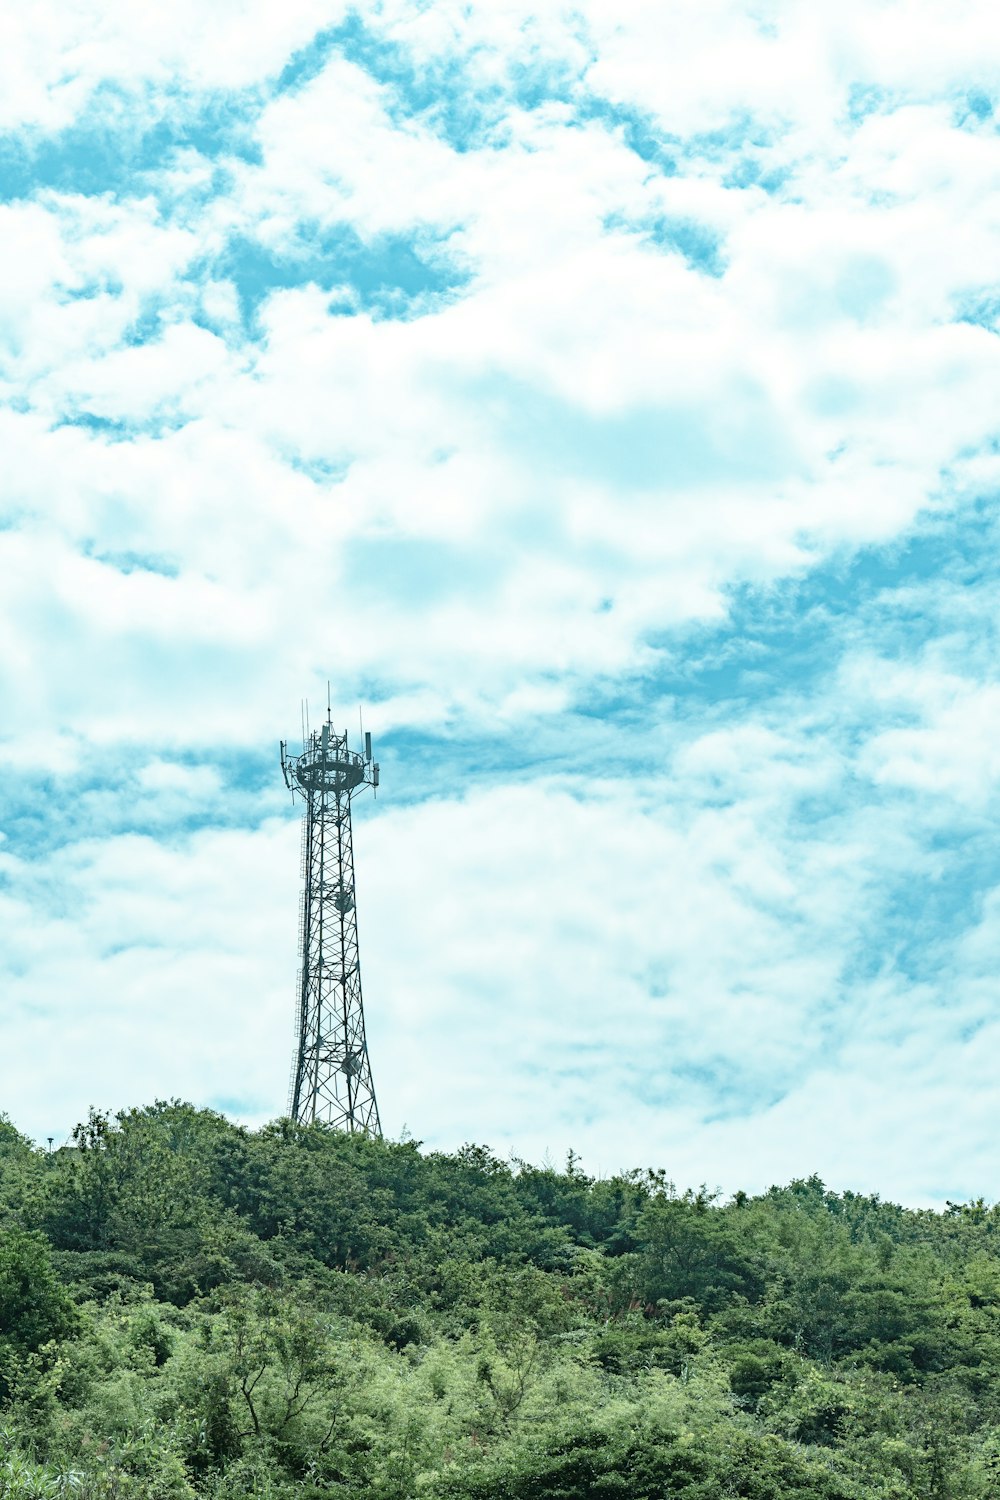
x=331, y=1074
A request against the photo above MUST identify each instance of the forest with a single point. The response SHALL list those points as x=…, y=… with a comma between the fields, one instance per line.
x=192, y=1309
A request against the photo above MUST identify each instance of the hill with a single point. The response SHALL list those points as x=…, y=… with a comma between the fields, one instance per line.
x=188, y=1308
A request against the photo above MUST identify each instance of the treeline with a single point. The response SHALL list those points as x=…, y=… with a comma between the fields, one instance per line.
x=188, y=1308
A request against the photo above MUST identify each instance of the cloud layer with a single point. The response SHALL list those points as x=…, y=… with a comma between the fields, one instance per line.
x=608, y=400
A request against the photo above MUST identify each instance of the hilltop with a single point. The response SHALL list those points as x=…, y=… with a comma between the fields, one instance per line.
x=189, y=1308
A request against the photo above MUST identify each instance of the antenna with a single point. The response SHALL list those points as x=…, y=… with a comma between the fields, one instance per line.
x=331, y=1074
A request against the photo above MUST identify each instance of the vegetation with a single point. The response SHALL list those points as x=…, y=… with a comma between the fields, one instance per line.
x=191, y=1309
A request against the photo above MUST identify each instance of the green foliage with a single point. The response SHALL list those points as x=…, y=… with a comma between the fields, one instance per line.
x=190, y=1309
x=35, y=1313
x=689, y=1251
x=34, y=1308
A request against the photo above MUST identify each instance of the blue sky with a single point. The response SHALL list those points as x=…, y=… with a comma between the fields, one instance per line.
x=606, y=397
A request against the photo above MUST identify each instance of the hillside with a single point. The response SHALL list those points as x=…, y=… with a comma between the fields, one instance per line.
x=190, y=1309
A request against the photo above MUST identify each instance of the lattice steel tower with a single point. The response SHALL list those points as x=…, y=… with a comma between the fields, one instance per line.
x=331, y=1075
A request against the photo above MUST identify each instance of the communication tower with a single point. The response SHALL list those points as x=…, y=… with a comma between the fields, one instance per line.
x=331, y=1074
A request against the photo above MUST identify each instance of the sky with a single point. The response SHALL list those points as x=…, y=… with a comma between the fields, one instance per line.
x=603, y=395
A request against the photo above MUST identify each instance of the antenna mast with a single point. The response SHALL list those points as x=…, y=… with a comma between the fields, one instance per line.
x=331, y=1075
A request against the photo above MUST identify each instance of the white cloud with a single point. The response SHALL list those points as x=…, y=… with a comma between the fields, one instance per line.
x=137, y=970
x=950, y=749
x=54, y=58
x=201, y=782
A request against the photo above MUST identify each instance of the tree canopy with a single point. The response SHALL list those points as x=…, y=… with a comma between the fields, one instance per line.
x=189, y=1308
